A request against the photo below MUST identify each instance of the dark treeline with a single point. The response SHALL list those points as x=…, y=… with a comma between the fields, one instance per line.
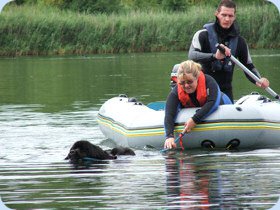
x=120, y=6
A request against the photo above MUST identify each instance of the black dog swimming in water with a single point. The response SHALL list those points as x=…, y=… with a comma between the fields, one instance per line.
x=121, y=151
x=82, y=150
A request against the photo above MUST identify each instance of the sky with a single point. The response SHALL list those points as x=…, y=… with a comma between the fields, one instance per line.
x=3, y=3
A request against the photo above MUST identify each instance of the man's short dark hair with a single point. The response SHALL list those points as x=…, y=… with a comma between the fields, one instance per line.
x=228, y=4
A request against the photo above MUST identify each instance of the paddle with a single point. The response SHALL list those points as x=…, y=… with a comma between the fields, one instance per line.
x=254, y=77
x=176, y=140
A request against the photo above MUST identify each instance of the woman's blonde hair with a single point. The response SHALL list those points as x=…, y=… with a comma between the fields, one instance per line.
x=189, y=67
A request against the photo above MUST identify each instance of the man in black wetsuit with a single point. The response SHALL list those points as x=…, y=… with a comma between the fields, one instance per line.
x=224, y=31
x=193, y=89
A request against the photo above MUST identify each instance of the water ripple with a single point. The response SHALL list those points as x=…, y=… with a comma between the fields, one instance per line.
x=34, y=174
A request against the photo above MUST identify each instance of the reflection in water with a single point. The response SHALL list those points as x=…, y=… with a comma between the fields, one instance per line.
x=187, y=187
x=149, y=180
x=215, y=181
x=47, y=104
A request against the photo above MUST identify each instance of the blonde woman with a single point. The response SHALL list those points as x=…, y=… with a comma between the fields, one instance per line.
x=193, y=89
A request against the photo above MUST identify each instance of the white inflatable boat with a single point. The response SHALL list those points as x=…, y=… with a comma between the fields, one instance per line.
x=252, y=122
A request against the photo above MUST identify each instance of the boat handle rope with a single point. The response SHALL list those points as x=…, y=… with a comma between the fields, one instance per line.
x=179, y=139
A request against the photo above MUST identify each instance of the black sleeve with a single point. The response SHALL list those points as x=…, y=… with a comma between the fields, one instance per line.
x=171, y=109
x=213, y=100
x=244, y=57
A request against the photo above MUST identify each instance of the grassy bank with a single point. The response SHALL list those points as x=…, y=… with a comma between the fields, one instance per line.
x=33, y=30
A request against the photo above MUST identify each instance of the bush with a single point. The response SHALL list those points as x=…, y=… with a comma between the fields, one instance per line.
x=34, y=30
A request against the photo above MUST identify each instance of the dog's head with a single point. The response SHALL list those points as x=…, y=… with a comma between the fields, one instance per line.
x=82, y=150
x=75, y=155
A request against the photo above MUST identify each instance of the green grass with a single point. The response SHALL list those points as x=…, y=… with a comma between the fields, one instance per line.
x=38, y=30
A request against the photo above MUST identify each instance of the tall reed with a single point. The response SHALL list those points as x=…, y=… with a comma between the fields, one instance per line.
x=37, y=30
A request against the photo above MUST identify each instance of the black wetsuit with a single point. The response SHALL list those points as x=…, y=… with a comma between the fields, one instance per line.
x=200, y=51
x=214, y=98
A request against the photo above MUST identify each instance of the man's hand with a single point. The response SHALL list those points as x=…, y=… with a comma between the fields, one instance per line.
x=264, y=83
x=219, y=55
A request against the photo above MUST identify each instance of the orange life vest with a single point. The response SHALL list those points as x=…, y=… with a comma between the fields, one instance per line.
x=201, y=93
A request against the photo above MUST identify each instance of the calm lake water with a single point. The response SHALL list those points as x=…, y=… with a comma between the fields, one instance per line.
x=48, y=103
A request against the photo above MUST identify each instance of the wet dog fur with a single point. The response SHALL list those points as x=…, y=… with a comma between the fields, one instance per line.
x=122, y=151
x=84, y=149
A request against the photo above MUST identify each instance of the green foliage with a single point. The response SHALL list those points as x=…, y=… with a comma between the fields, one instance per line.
x=117, y=6
x=94, y=6
x=260, y=25
x=175, y=5
x=34, y=30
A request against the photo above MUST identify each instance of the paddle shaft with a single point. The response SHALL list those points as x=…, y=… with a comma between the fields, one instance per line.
x=244, y=68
